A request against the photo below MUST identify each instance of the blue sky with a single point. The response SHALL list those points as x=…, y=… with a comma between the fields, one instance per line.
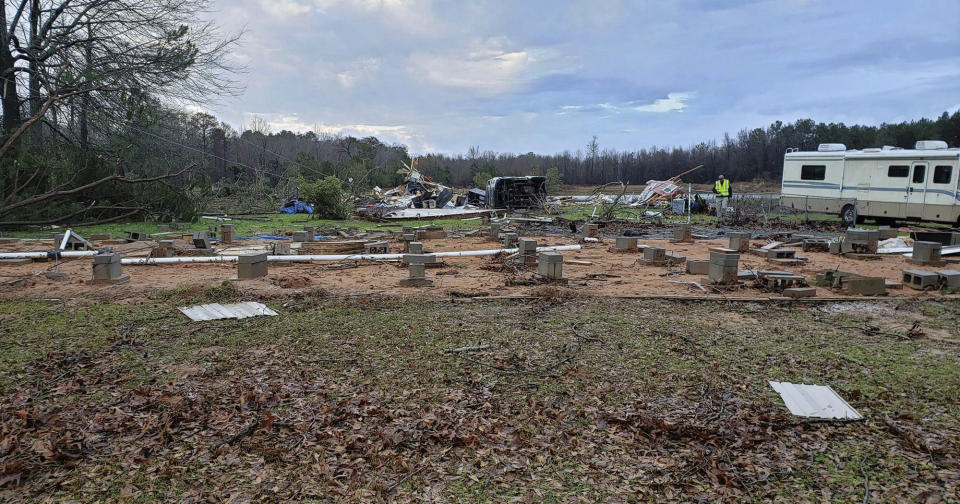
x=546, y=75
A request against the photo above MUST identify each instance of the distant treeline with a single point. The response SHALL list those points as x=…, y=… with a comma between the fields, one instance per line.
x=748, y=155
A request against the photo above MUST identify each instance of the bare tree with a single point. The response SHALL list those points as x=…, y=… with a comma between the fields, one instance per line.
x=72, y=65
x=118, y=51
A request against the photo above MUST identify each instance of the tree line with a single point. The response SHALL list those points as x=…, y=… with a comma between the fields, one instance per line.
x=751, y=154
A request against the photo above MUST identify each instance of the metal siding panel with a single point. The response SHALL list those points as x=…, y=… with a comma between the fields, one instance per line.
x=815, y=401
x=215, y=311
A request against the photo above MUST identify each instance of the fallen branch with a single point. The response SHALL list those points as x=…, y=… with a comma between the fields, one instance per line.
x=466, y=349
x=250, y=427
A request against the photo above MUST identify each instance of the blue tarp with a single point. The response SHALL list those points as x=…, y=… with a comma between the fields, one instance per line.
x=296, y=207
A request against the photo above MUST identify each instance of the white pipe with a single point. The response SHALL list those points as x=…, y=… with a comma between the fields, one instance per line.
x=41, y=255
x=341, y=257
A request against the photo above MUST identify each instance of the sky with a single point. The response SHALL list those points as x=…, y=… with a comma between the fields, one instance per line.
x=545, y=76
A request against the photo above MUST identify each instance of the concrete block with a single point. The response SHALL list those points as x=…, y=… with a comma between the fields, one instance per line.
x=107, y=270
x=626, y=244
x=251, y=266
x=654, y=256
x=739, y=241
x=136, y=235
x=950, y=278
x=418, y=270
x=509, y=240
x=226, y=233
x=58, y=276
x=816, y=246
x=418, y=258
x=682, y=234
x=311, y=233
x=926, y=252
x=920, y=280
x=415, y=247
x=698, y=267
x=722, y=274
x=675, y=259
x=591, y=230
x=834, y=247
x=301, y=236
x=377, y=247
x=800, y=292
x=417, y=278
x=865, y=286
x=861, y=241
x=724, y=259
x=550, y=265
x=885, y=233
x=494, y=233
x=781, y=254
x=430, y=234
x=527, y=246
x=282, y=248
x=201, y=240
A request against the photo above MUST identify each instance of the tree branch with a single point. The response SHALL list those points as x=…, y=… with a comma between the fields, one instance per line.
x=115, y=178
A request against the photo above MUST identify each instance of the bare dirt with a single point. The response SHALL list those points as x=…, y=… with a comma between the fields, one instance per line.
x=607, y=274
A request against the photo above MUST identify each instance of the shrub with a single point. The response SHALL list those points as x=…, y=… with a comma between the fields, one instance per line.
x=481, y=178
x=554, y=180
x=327, y=197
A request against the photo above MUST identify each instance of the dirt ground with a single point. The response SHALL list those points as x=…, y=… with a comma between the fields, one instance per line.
x=607, y=274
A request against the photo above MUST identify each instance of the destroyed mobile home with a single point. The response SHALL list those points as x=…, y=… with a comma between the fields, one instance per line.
x=420, y=197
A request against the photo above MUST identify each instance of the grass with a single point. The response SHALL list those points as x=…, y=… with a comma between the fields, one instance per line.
x=274, y=224
x=531, y=418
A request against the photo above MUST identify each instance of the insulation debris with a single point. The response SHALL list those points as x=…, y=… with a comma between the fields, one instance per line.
x=814, y=401
x=216, y=311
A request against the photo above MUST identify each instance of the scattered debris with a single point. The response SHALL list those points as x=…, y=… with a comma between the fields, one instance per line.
x=814, y=401
x=216, y=311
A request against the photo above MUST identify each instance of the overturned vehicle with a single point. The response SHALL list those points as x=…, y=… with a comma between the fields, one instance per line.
x=516, y=192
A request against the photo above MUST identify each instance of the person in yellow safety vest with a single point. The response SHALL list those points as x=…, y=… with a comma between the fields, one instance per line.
x=722, y=189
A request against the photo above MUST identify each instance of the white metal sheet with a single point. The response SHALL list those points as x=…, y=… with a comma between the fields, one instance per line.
x=816, y=401
x=215, y=311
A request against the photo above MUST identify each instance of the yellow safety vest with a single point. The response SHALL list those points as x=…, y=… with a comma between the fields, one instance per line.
x=723, y=188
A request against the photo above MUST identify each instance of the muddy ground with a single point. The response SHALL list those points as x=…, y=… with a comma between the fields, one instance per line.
x=594, y=270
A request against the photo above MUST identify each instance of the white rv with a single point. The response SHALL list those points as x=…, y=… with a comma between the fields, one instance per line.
x=886, y=184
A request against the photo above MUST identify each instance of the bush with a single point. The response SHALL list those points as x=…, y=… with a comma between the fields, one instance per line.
x=554, y=180
x=481, y=178
x=327, y=197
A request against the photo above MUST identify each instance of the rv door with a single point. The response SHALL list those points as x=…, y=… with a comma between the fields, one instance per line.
x=917, y=190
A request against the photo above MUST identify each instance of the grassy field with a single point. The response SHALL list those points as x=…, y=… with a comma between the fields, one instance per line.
x=360, y=400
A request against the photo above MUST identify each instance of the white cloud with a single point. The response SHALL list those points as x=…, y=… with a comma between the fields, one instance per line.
x=674, y=102
x=385, y=132
x=284, y=9
x=410, y=16
x=488, y=65
x=357, y=70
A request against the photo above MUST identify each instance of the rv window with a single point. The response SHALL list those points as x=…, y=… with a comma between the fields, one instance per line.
x=941, y=174
x=919, y=171
x=900, y=171
x=813, y=172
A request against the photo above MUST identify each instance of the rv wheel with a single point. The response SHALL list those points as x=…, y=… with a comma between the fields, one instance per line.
x=847, y=215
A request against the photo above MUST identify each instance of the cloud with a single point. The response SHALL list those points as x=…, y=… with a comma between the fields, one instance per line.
x=385, y=132
x=284, y=9
x=674, y=102
x=357, y=70
x=488, y=66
